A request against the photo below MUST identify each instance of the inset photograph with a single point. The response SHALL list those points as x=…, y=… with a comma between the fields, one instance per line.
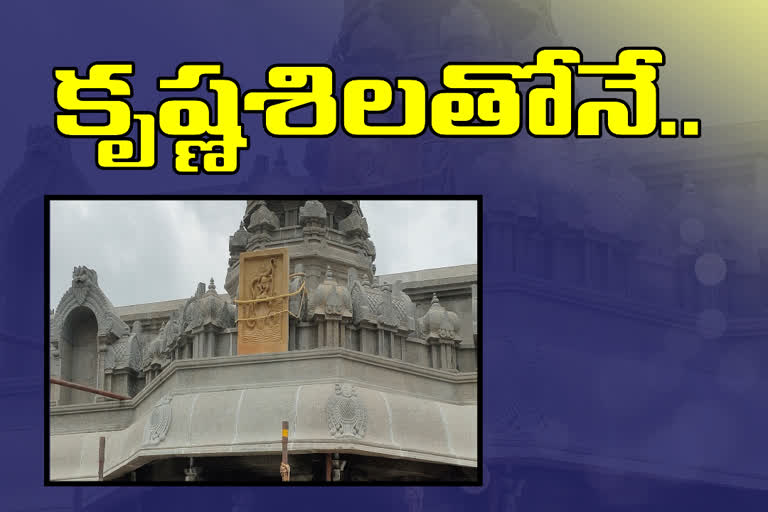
x=263, y=341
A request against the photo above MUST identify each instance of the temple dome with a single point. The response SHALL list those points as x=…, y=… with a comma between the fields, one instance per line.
x=209, y=309
x=126, y=352
x=438, y=322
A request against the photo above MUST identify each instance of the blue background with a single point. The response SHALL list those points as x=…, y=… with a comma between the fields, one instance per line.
x=609, y=383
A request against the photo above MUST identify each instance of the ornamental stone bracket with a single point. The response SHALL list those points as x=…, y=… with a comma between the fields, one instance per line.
x=347, y=415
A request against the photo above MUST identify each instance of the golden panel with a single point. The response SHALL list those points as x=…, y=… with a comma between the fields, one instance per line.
x=262, y=326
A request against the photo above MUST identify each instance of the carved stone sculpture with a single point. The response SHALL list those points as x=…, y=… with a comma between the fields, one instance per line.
x=346, y=413
x=159, y=422
x=263, y=302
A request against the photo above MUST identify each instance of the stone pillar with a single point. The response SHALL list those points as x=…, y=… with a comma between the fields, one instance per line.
x=397, y=350
x=119, y=381
x=292, y=334
x=55, y=369
x=331, y=333
x=320, y=334
x=102, y=344
x=199, y=351
x=211, y=344
x=195, y=345
x=380, y=350
x=368, y=339
x=434, y=360
x=443, y=353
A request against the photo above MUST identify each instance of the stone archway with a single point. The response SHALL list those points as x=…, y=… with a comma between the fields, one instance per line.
x=79, y=355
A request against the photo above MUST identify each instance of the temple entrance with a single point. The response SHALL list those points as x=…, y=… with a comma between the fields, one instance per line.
x=79, y=349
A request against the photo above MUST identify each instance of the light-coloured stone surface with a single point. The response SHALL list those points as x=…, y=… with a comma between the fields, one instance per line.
x=410, y=413
x=457, y=271
x=237, y=422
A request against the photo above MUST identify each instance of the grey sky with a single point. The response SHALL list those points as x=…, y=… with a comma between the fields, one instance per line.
x=147, y=251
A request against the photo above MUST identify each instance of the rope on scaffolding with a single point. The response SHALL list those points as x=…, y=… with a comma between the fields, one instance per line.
x=301, y=290
x=274, y=297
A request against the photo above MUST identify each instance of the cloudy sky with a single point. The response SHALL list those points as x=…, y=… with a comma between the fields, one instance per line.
x=147, y=251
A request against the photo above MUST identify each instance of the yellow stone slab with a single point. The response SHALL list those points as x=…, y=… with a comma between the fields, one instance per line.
x=262, y=326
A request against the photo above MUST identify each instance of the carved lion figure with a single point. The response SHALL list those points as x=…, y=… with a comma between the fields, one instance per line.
x=83, y=278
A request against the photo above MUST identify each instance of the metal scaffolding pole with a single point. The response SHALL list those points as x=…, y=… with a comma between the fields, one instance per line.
x=88, y=389
x=285, y=469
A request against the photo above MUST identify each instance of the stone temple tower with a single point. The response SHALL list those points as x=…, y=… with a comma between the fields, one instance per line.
x=319, y=235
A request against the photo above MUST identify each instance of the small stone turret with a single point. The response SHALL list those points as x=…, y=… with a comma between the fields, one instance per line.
x=440, y=328
x=330, y=305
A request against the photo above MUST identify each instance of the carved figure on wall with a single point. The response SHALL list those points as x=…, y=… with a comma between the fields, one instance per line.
x=262, y=314
x=263, y=305
x=261, y=285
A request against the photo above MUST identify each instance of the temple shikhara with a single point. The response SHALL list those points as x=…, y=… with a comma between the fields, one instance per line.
x=376, y=375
